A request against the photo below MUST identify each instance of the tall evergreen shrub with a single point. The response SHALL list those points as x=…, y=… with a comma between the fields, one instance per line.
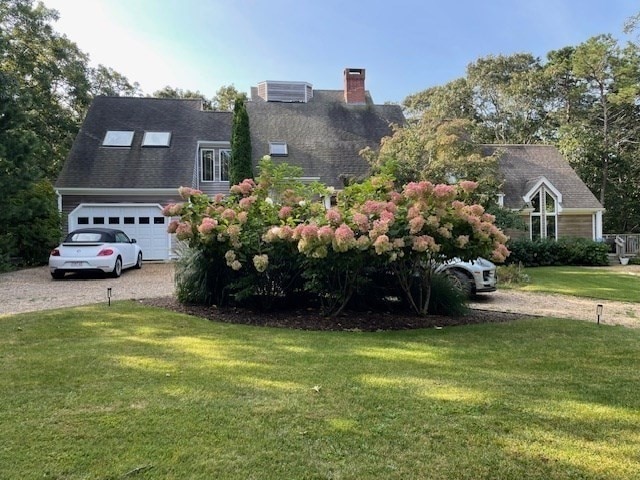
x=240, y=163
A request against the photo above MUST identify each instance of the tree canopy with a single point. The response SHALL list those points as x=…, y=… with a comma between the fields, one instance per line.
x=46, y=86
x=584, y=99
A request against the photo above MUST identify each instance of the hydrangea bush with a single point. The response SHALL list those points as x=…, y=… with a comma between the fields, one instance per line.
x=274, y=240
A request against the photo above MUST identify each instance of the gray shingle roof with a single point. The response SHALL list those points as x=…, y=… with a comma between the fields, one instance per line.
x=524, y=165
x=90, y=165
x=324, y=135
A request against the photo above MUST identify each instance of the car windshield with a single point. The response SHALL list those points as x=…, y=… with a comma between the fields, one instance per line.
x=86, y=237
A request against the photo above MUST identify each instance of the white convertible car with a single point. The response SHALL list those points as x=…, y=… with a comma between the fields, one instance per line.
x=95, y=249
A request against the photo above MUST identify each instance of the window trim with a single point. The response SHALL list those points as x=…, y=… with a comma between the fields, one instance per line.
x=543, y=215
x=216, y=166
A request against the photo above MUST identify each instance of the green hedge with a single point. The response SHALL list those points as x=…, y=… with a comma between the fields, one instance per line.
x=565, y=251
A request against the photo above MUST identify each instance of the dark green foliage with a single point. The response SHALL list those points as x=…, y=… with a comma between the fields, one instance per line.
x=445, y=298
x=240, y=163
x=46, y=86
x=202, y=278
x=279, y=287
x=506, y=218
x=566, y=251
x=30, y=226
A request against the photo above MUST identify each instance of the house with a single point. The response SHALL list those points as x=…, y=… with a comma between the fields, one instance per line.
x=542, y=187
x=132, y=154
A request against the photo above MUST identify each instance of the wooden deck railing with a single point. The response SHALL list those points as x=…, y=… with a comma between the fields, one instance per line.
x=623, y=244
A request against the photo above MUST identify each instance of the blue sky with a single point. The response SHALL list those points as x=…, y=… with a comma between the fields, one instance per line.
x=405, y=46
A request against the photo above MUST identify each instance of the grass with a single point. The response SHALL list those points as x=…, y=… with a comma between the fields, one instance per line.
x=135, y=392
x=590, y=282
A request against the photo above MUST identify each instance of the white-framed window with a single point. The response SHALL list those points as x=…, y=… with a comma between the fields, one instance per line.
x=156, y=139
x=117, y=138
x=214, y=164
x=278, y=149
x=544, y=217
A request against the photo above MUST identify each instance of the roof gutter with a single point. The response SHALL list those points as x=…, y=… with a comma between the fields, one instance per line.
x=115, y=191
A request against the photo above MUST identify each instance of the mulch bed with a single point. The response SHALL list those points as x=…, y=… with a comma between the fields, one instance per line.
x=311, y=319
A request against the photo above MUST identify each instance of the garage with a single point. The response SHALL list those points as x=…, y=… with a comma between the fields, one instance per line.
x=144, y=222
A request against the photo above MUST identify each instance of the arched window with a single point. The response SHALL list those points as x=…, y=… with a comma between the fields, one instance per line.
x=544, y=217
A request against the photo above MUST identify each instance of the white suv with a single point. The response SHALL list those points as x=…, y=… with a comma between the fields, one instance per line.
x=476, y=276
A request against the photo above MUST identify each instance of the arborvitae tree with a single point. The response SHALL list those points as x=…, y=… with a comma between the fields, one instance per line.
x=240, y=163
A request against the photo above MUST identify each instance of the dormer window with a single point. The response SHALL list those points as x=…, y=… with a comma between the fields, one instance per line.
x=278, y=149
x=156, y=139
x=214, y=164
x=118, y=138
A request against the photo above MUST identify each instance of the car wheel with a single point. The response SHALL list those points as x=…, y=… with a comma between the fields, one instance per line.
x=461, y=281
x=57, y=275
x=139, y=261
x=117, y=268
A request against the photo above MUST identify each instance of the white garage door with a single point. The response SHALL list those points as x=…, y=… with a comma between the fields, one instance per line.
x=144, y=222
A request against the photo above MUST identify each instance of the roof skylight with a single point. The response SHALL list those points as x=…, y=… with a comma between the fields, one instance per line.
x=278, y=149
x=118, y=138
x=156, y=139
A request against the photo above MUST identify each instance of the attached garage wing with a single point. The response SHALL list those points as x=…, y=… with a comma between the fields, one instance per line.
x=144, y=222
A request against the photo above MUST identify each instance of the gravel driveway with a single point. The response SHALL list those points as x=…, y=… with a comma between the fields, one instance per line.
x=33, y=290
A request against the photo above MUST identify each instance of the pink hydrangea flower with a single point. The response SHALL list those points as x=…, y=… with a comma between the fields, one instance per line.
x=333, y=216
x=462, y=241
x=413, y=212
x=416, y=224
x=285, y=212
x=183, y=231
x=246, y=202
x=433, y=221
x=242, y=217
x=442, y=190
x=172, y=210
x=361, y=221
x=244, y=188
x=309, y=231
x=285, y=233
x=444, y=232
x=424, y=243
x=387, y=216
x=500, y=253
x=229, y=214
x=271, y=235
x=382, y=245
x=344, y=238
x=325, y=234
x=207, y=226
x=173, y=226
x=186, y=192
x=468, y=186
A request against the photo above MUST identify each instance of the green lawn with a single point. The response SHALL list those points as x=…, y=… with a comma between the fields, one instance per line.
x=134, y=392
x=592, y=282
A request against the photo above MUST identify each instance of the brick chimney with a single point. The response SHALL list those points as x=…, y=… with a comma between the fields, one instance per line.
x=354, y=85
